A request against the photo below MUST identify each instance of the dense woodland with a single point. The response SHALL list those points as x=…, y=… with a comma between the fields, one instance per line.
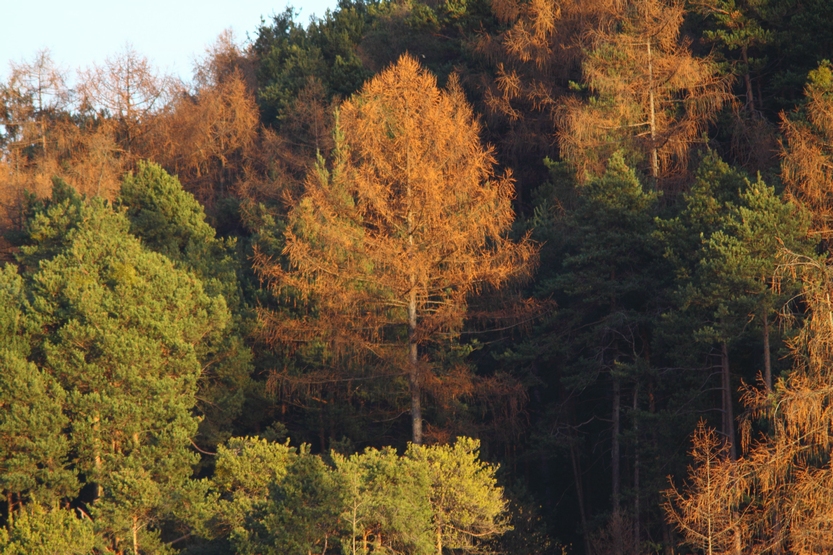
x=426, y=276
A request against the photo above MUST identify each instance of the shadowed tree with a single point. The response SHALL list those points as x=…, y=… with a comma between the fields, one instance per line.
x=409, y=222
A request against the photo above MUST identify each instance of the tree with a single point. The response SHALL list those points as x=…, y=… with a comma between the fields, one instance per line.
x=607, y=275
x=775, y=497
x=38, y=531
x=127, y=89
x=724, y=245
x=650, y=97
x=33, y=449
x=807, y=155
x=711, y=512
x=118, y=328
x=36, y=91
x=466, y=504
x=408, y=223
x=171, y=222
x=386, y=502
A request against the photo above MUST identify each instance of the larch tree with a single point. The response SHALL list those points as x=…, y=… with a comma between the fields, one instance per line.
x=410, y=220
x=649, y=96
x=127, y=89
x=36, y=90
x=807, y=154
x=712, y=512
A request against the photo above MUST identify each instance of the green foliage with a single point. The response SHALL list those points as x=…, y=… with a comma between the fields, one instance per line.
x=384, y=501
x=466, y=503
x=724, y=246
x=269, y=498
x=290, y=55
x=171, y=222
x=301, y=514
x=246, y=468
x=108, y=379
x=48, y=532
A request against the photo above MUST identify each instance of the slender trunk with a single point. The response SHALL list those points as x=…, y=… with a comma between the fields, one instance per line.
x=636, y=508
x=767, y=355
x=728, y=413
x=97, y=455
x=614, y=452
x=135, y=536
x=585, y=531
x=413, y=375
x=354, y=527
x=413, y=353
x=709, y=520
x=750, y=96
x=653, y=116
x=439, y=541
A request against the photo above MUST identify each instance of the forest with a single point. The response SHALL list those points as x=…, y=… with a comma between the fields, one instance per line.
x=426, y=277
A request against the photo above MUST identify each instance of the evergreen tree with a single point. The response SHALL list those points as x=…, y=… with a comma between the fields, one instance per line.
x=724, y=245
x=34, y=468
x=117, y=329
x=171, y=222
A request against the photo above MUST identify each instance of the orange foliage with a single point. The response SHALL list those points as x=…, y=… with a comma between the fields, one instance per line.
x=711, y=514
x=204, y=138
x=409, y=222
x=652, y=97
x=807, y=167
x=776, y=498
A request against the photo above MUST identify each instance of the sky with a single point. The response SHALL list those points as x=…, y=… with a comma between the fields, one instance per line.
x=172, y=34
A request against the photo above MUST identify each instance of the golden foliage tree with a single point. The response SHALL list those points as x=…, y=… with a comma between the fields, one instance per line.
x=649, y=95
x=205, y=138
x=711, y=514
x=784, y=478
x=807, y=167
x=410, y=221
x=535, y=58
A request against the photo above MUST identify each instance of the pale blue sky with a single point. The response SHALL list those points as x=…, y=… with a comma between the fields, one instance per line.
x=171, y=33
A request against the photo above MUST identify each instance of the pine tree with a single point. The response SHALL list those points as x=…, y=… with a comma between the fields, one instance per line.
x=171, y=222
x=118, y=328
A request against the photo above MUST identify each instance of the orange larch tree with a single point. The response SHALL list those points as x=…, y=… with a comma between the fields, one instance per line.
x=807, y=167
x=409, y=221
x=650, y=96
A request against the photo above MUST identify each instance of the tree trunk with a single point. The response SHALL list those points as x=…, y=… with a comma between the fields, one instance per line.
x=653, y=116
x=439, y=541
x=135, y=536
x=97, y=455
x=728, y=413
x=767, y=355
x=750, y=95
x=636, y=508
x=585, y=531
x=413, y=372
x=614, y=453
